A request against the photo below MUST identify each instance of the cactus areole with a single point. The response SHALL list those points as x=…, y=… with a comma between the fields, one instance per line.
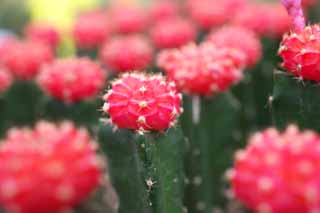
x=142, y=102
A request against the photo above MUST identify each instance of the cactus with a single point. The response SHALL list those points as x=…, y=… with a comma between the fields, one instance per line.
x=159, y=162
x=138, y=53
x=21, y=103
x=208, y=149
x=126, y=169
x=64, y=166
x=297, y=105
x=277, y=172
x=145, y=103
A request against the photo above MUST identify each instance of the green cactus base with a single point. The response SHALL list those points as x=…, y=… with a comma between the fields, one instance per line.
x=147, y=171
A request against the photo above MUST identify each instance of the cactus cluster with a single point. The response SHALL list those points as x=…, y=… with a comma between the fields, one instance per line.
x=140, y=109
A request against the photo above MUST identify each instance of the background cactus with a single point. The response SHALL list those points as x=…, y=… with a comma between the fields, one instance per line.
x=162, y=163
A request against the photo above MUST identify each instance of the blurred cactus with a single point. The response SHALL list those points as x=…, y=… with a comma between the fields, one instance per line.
x=208, y=150
x=162, y=164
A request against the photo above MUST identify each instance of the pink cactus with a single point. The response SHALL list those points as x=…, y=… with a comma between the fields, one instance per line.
x=125, y=53
x=279, y=172
x=163, y=9
x=173, y=33
x=239, y=38
x=212, y=13
x=142, y=102
x=48, y=169
x=44, y=33
x=207, y=13
x=72, y=80
x=25, y=58
x=91, y=30
x=204, y=69
x=129, y=19
x=266, y=19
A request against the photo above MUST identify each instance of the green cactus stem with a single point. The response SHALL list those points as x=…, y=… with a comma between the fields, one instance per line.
x=146, y=170
x=21, y=104
x=85, y=113
x=126, y=169
x=162, y=155
x=209, y=148
x=295, y=101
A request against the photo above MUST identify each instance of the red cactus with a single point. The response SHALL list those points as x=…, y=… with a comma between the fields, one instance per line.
x=72, y=80
x=173, y=33
x=207, y=13
x=125, y=53
x=279, y=172
x=299, y=49
x=239, y=38
x=163, y=9
x=5, y=80
x=25, y=58
x=212, y=13
x=204, y=69
x=44, y=33
x=91, y=30
x=129, y=19
x=48, y=169
x=299, y=52
x=141, y=102
x=266, y=19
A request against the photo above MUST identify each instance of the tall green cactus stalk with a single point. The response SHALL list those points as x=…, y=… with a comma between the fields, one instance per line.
x=254, y=90
x=126, y=169
x=147, y=170
x=163, y=160
x=209, y=148
x=295, y=101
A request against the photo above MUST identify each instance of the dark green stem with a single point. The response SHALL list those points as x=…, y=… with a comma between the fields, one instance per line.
x=21, y=104
x=211, y=143
x=295, y=102
x=82, y=113
x=163, y=160
x=126, y=169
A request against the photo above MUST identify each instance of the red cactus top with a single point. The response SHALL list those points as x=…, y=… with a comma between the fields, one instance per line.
x=52, y=163
x=204, y=69
x=72, y=80
x=143, y=102
x=279, y=172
